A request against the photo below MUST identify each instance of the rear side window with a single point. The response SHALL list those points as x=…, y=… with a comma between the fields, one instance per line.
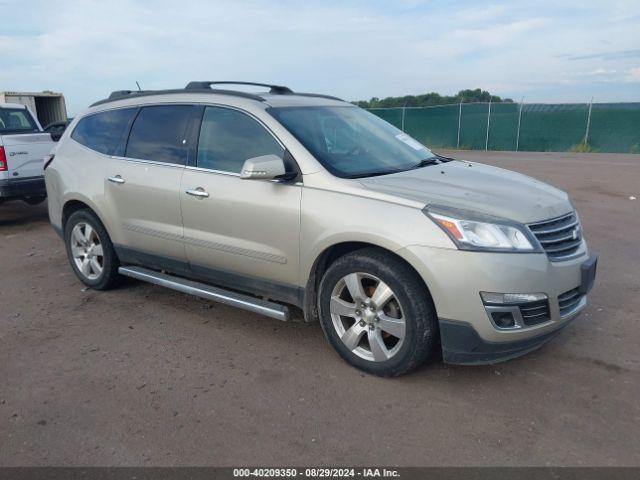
x=159, y=134
x=103, y=131
x=16, y=120
x=229, y=137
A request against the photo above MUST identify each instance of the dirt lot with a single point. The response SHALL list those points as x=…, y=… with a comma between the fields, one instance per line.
x=145, y=376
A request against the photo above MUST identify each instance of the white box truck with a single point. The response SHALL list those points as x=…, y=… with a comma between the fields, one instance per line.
x=48, y=107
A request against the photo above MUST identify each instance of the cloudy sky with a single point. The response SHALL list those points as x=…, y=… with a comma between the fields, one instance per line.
x=544, y=51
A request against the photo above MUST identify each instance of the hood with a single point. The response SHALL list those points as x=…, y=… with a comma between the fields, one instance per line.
x=478, y=187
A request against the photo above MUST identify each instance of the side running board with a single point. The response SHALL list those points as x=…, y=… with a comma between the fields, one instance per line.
x=246, y=302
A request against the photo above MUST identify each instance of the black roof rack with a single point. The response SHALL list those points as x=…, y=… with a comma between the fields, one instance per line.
x=205, y=87
x=275, y=89
x=119, y=94
x=123, y=94
x=318, y=95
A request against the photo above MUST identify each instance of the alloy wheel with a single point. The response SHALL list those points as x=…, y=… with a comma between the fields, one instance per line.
x=367, y=316
x=87, y=251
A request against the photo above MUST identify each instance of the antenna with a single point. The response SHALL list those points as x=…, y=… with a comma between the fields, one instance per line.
x=139, y=89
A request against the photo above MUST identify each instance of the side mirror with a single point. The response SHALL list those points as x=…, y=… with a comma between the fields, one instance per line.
x=265, y=167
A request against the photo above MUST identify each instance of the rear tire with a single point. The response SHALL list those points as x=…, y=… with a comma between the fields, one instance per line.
x=377, y=314
x=90, y=251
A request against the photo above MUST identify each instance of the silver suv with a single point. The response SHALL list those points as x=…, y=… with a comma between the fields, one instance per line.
x=272, y=199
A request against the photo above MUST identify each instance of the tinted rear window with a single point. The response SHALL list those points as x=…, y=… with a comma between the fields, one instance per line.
x=16, y=120
x=158, y=134
x=103, y=131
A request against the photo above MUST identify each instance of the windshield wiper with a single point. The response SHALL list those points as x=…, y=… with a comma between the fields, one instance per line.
x=426, y=162
x=423, y=163
x=372, y=174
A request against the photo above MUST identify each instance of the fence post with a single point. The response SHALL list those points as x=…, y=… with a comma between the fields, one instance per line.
x=459, y=121
x=403, y=112
x=486, y=144
x=519, y=119
x=586, y=133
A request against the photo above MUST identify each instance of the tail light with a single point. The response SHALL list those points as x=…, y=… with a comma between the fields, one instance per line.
x=3, y=160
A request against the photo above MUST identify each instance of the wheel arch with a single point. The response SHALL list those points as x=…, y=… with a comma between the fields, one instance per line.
x=327, y=257
x=72, y=205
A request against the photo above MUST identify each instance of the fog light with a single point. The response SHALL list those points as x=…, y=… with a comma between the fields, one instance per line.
x=511, y=298
x=503, y=319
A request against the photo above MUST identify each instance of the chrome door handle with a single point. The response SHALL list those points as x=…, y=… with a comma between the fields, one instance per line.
x=198, y=193
x=116, y=179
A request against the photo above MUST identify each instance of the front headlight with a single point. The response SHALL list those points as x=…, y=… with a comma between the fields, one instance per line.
x=473, y=231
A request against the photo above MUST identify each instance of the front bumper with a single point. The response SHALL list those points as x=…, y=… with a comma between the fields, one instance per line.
x=455, y=279
x=23, y=187
x=462, y=345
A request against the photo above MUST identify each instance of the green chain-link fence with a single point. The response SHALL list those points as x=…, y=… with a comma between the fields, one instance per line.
x=603, y=127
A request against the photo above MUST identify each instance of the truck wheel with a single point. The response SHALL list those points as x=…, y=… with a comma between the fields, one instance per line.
x=376, y=313
x=90, y=251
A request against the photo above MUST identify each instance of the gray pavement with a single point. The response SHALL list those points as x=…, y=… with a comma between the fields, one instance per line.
x=145, y=376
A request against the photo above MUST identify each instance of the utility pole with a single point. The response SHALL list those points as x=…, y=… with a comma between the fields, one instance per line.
x=519, y=120
x=486, y=144
x=404, y=108
x=459, y=123
x=586, y=133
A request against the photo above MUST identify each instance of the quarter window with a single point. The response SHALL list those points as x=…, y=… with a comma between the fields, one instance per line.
x=229, y=137
x=103, y=131
x=159, y=134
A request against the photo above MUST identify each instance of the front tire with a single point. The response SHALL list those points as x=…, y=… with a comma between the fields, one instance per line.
x=376, y=312
x=90, y=251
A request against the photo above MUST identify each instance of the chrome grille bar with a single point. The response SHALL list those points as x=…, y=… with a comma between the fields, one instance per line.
x=569, y=301
x=560, y=237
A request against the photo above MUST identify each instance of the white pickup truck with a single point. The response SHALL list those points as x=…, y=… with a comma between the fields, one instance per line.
x=23, y=146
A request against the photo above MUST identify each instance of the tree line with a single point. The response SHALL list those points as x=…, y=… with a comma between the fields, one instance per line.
x=432, y=98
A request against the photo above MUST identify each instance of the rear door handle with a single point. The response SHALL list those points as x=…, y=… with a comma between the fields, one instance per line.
x=116, y=179
x=198, y=193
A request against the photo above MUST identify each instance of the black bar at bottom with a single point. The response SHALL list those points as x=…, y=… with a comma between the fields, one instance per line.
x=224, y=473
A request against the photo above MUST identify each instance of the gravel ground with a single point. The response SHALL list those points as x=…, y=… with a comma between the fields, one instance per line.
x=146, y=376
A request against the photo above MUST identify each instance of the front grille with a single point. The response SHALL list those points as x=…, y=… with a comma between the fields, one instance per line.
x=568, y=301
x=534, y=313
x=560, y=237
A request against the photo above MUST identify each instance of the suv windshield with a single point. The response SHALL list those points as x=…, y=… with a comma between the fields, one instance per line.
x=351, y=142
x=16, y=120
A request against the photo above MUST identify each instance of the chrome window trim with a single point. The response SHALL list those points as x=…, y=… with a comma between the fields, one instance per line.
x=210, y=170
x=127, y=159
x=149, y=162
x=231, y=174
x=91, y=150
